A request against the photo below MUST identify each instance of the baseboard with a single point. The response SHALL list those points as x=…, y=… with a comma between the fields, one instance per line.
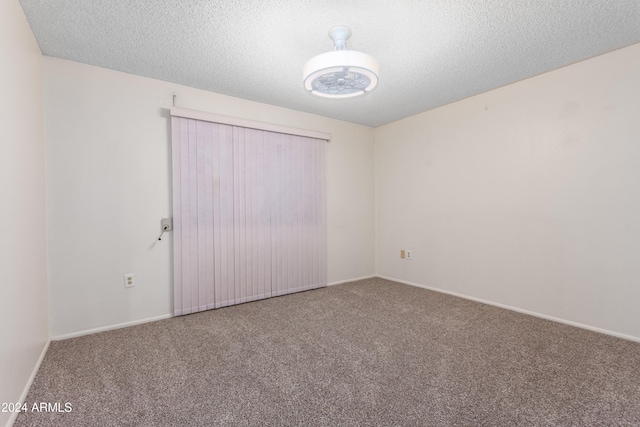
x=355, y=279
x=109, y=327
x=516, y=309
x=23, y=396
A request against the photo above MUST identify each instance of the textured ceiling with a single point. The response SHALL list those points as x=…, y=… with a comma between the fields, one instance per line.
x=431, y=53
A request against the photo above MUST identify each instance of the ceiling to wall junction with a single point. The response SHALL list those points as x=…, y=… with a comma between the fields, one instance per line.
x=431, y=53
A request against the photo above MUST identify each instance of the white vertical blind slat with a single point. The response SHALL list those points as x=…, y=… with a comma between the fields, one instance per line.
x=193, y=214
x=249, y=214
x=201, y=218
x=272, y=144
x=216, y=195
x=252, y=241
x=237, y=219
x=177, y=224
x=314, y=219
x=184, y=210
x=265, y=216
x=229, y=285
x=289, y=228
x=208, y=216
x=224, y=220
x=297, y=233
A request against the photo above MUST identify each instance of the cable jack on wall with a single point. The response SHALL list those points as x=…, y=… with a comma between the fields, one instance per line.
x=167, y=225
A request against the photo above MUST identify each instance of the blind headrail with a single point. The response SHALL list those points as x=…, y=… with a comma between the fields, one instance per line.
x=247, y=123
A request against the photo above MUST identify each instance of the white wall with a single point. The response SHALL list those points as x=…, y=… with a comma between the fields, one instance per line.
x=524, y=196
x=528, y=195
x=109, y=184
x=24, y=328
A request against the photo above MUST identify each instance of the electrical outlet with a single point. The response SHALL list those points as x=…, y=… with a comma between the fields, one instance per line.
x=402, y=254
x=129, y=280
x=408, y=254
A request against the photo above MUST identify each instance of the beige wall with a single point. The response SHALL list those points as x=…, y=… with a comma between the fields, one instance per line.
x=527, y=196
x=23, y=287
x=109, y=184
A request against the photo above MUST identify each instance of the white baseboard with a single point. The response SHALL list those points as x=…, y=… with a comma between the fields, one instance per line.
x=109, y=327
x=23, y=396
x=355, y=279
x=480, y=300
x=519, y=310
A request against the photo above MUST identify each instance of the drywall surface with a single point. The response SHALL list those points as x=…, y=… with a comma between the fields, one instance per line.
x=109, y=185
x=527, y=196
x=24, y=324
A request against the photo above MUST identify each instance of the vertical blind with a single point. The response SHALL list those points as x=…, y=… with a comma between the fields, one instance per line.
x=249, y=214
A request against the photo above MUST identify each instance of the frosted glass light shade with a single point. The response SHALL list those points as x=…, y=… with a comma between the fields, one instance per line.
x=340, y=74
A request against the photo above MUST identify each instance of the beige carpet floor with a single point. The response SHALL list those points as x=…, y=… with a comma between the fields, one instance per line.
x=368, y=353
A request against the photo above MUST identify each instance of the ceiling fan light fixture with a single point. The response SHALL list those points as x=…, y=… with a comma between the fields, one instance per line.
x=341, y=73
